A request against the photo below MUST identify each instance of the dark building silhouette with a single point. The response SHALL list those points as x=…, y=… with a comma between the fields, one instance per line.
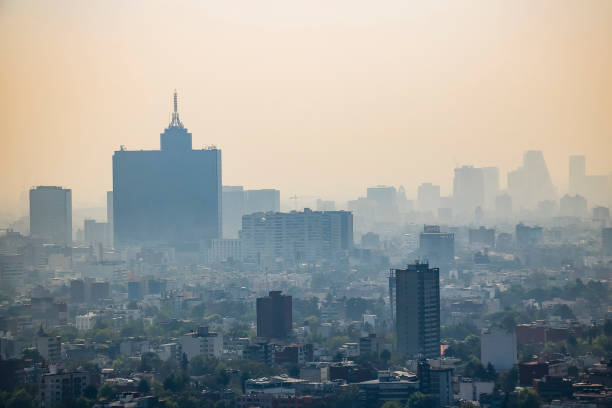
x=606, y=241
x=170, y=196
x=527, y=236
x=482, y=236
x=274, y=315
x=416, y=294
x=51, y=214
x=437, y=248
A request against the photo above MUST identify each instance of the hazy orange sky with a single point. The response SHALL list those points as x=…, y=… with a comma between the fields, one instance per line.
x=315, y=97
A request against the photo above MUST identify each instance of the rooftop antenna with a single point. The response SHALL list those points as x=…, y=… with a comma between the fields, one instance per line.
x=176, y=122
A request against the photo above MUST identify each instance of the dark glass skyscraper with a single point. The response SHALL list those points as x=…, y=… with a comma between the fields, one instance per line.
x=416, y=294
x=274, y=315
x=170, y=196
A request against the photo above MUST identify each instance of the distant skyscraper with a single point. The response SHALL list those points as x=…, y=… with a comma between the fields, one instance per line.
x=274, y=315
x=326, y=205
x=437, y=248
x=109, y=215
x=577, y=173
x=51, y=214
x=595, y=188
x=416, y=293
x=601, y=214
x=606, y=241
x=468, y=189
x=573, y=206
x=385, y=199
x=531, y=183
x=263, y=200
x=503, y=206
x=491, y=186
x=234, y=207
x=428, y=198
x=170, y=196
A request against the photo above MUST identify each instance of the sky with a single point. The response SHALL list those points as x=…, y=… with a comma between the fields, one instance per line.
x=317, y=98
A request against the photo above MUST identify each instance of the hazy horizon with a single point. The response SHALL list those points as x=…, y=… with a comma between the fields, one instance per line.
x=313, y=98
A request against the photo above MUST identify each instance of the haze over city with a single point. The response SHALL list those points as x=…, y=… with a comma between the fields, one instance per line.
x=312, y=98
x=305, y=204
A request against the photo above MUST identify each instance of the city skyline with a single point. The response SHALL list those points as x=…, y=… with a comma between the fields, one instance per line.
x=308, y=107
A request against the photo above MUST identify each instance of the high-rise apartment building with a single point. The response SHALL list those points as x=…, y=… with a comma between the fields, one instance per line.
x=416, y=294
x=437, y=248
x=51, y=214
x=274, y=315
x=170, y=196
x=296, y=237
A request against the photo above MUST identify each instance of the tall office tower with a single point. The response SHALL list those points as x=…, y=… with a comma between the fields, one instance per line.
x=385, y=199
x=274, y=315
x=234, y=207
x=606, y=241
x=573, y=206
x=531, y=183
x=170, y=196
x=503, y=206
x=468, y=189
x=404, y=205
x=416, y=293
x=263, y=200
x=51, y=214
x=428, y=198
x=491, y=186
x=437, y=248
x=296, y=236
x=109, y=216
x=577, y=173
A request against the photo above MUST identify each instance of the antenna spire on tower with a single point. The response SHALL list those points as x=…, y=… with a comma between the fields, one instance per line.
x=176, y=122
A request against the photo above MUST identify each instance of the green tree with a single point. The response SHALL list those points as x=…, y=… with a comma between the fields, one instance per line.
x=90, y=392
x=20, y=399
x=143, y=386
x=107, y=392
x=420, y=400
x=528, y=398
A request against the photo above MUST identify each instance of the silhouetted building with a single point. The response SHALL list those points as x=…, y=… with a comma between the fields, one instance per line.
x=503, y=206
x=601, y=214
x=468, y=189
x=527, y=236
x=428, y=197
x=263, y=200
x=384, y=199
x=296, y=236
x=417, y=309
x=274, y=315
x=97, y=233
x=437, y=248
x=168, y=196
x=606, y=241
x=531, y=183
x=573, y=206
x=234, y=207
x=482, y=236
x=595, y=188
x=51, y=214
x=491, y=186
